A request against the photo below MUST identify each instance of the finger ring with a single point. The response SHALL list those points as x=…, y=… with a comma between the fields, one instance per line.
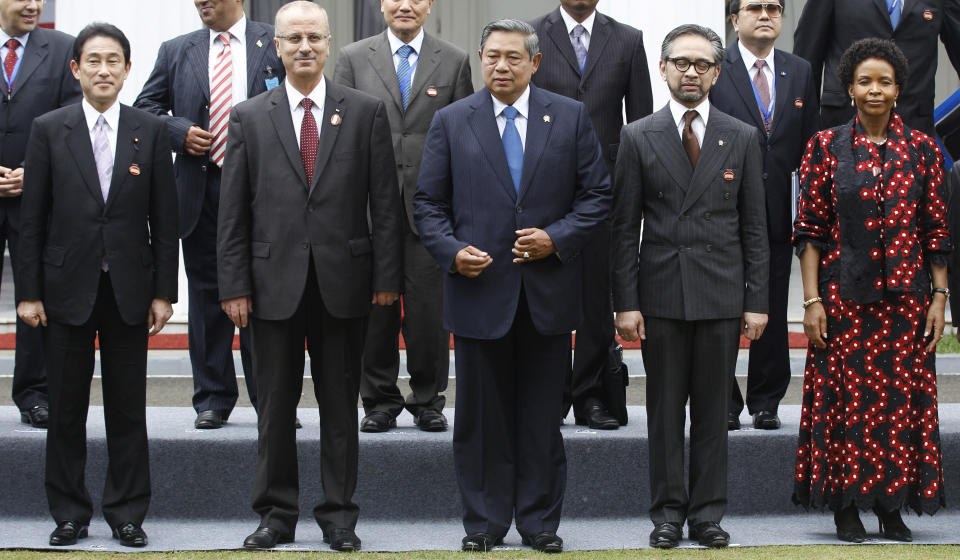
x=526, y=255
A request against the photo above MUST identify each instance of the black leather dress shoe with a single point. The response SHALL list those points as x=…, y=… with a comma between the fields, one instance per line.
x=208, y=420
x=342, y=540
x=596, y=416
x=544, y=542
x=67, y=533
x=733, y=421
x=479, y=542
x=130, y=534
x=431, y=421
x=709, y=533
x=766, y=420
x=38, y=416
x=666, y=535
x=265, y=537
x=377, y=422
x=298, y=424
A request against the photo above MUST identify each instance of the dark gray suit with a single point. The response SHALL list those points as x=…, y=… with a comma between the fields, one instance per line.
x=442, y=76
x=43, y=84
x=307, y=257
x=703, y=262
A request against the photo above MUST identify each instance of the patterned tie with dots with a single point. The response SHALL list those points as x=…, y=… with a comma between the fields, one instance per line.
x=309, y=139
x=10, y=61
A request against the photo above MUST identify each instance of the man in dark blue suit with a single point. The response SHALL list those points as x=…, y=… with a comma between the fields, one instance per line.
x=183, y=89
x=36, y=80
x=774, y=91
x=511, y=186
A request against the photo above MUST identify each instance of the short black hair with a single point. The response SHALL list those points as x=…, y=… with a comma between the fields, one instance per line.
x=101, y=29
x=883, y=49
x=734, y=6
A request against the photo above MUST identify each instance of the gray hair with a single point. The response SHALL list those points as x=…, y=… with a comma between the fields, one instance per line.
x=692, y=29
x=531, y=42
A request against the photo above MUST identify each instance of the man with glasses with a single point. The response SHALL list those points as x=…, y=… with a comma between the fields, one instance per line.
x=36, y=80
x=773, y=91
x=689, y=176
x=197, y=78
x=307, y=163
x=828, y=27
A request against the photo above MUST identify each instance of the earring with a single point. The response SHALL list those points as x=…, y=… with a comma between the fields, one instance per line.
x=894, y=102
x=852, y=104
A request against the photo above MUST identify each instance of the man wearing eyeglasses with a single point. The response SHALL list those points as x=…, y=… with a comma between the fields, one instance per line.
x=196, y=80
x=36, y=80
x=690, y=177
x=828, y=27
x=773, y=91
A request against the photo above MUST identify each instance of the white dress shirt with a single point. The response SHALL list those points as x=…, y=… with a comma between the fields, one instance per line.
x=749, y=59
x=112, y=116
x=238, y=53
x=587, y=25
x=396, y=43
x=522, y=105
x=699, y=124
x=318, y=96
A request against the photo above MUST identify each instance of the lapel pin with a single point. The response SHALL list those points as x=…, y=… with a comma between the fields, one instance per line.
x=432, y=91
x=136, y=143
x=798, y=103
x=729, y=175
x=720, y=142
x=259, y=43
x=546, y=118
x=134, y=170
x=783, y=72
x=335, y=118
x=928, y=15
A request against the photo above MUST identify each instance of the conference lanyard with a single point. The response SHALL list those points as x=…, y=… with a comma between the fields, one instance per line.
x=765, y=112
x=13, y=75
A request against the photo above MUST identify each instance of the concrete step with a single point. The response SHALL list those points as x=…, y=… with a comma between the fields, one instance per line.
x=405, y=473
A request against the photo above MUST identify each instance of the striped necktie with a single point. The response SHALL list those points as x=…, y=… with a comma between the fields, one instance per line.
x=404, y=71
x=221, y=100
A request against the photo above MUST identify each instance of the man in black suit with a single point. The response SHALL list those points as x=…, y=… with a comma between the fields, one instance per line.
x=828, y=27
x=298, y=258
x=36, y=80
x=99, y=258
x=434, y=74
x=593, y=58
x=773, y=91
x=689, y=177
x=188, y=88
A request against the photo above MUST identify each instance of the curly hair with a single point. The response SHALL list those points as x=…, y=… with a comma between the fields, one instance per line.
x=863, y=49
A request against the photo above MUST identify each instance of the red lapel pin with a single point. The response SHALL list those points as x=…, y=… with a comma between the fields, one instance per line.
x=798, y=103
x=335, y=119
x=134, y=170
x=729, y=175
x=928, y=15
x=432, y=91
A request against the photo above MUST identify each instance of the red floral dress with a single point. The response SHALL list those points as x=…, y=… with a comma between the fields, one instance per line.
x=869, y=431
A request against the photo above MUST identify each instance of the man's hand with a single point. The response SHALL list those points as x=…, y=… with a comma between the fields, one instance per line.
x=532, y=244
x=160, y=312
x=384, y=298
x=198, y=141
x=752, y=325
x=238, y=309
x=11, y=182
x=470, y=261
x=630, y=326
x=31, y=312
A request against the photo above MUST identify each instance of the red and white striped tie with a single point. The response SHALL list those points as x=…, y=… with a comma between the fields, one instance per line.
x=221, y=100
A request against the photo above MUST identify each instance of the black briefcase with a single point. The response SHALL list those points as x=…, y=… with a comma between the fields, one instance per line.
x=614, y=381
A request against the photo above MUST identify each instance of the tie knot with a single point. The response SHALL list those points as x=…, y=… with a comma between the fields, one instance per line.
x=12, y=44
x=760, y=63
x=578, y=31
x=689, y=116
x=306, y=103
x=510, y=112
x=102, y=122
x=405, y=51
x=225, y=38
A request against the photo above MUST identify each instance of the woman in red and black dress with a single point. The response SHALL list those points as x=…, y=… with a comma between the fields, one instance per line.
x=871, y=232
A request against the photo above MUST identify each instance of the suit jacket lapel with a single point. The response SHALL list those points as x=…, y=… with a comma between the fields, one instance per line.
x=255, y=53
x=538, y=131
x=665, y=141
x=123, y=155
x=882, y=6
x=741, y=82
x=484, y=126
x=381, y=59
x=784, y=79
x=79, y=146
x=598, y=41
x=328, y=133
x=713, y=152
x=558, y=34
x=427, y=64
x=198, y=53
x=283, y=125
x=33, y=56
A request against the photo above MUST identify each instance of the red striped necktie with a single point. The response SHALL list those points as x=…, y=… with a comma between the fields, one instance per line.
x=221, y=100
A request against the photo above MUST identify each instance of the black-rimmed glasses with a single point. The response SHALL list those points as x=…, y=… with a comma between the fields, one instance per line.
x=683, y=64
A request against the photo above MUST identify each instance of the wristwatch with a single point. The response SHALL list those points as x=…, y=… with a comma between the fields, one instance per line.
x=944, y=291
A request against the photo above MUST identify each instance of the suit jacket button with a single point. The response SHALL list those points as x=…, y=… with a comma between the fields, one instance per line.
x=706, y=216
x=764, y=176
x=709, y=248
x=726, y=196
x=519, y=209
x=305, y=245
x=203, y=168
x=683, y=217
x=660, y=194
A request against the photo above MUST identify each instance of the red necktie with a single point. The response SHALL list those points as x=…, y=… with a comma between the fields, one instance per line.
x=10, y=61
x=309, y=139
x=221, y=100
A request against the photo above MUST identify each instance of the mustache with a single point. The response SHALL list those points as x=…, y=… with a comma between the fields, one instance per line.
x=301, y=56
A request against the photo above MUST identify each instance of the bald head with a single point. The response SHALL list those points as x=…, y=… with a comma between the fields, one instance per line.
x=297, y=9
x=303, y=43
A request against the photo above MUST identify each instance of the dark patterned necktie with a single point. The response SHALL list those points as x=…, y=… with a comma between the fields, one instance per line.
x=10, y=61
x=763, y=91
x=690, y=143
x=309, y=139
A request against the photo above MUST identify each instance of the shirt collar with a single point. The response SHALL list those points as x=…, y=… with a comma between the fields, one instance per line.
x=678, y=110
x=522, y=104
x=318, y=95
x=22, y=38
x=396, y=43
x=92, y=115
x=749, y=59
x=239, y=31
x=571, y=23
